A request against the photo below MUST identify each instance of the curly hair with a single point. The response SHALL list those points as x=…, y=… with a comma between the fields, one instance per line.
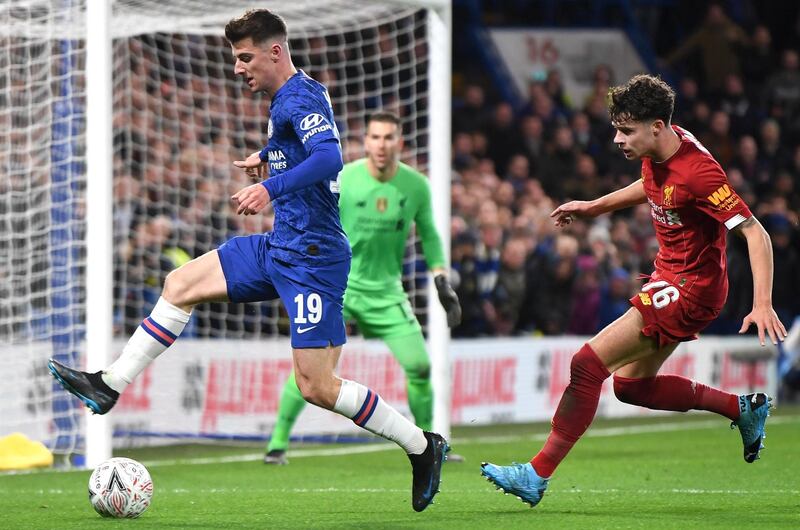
x=260, y=25
x=643, y=98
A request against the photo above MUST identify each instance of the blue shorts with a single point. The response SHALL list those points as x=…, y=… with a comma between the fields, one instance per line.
x=313, y=296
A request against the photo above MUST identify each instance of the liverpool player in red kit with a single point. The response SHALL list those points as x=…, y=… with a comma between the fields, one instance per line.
x=693, y=206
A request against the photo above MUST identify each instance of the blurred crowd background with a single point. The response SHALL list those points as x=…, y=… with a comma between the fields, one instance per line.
x=737, y=78
x=738, y=91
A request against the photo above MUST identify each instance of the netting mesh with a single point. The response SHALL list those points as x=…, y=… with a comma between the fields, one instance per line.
x=42, y=226
x=180, y=119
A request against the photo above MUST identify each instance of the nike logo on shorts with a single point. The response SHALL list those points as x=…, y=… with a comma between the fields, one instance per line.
x=300, y=331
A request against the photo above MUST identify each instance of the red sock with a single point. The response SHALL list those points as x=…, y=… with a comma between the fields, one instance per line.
x=575, y=410
x=673, y=392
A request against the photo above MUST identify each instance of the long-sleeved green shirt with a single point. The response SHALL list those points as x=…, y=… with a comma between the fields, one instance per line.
x=377, y=218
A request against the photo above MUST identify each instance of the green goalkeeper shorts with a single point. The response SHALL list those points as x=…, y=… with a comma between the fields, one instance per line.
x=380, y=315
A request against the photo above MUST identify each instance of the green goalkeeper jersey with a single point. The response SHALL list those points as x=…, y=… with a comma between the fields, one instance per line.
x=377, y=218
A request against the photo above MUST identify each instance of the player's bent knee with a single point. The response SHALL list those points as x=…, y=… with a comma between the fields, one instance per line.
x=176, y=288
x=631, y=391
x=419, y=372
x=316, y=392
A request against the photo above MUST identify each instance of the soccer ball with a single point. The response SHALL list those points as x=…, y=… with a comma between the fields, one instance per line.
x=120, y=487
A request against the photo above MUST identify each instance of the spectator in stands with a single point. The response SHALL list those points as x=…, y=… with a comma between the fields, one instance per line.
x=698, y=121
x=487, y=254
x=781, y=97
x=786, y=290
x=466, y=284
x=585, y=138
x=758, y=60
x=614, y=298
x=504, y=304
x=518, y=172
x=550, y=278
x=737, y=105
x=509, y=169
x=717, y=42
x=470, y=115
x=772, y=153
x=717, y=139
x=786, y=187
x=688, y=95
x=533, y=141
x=559, y=162
x=503, y=134
x=585, y=311
x=585, y=182
x=748, y=163
x=554, y=87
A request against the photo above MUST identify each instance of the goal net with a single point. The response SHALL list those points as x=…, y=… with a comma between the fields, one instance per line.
x=180, y=117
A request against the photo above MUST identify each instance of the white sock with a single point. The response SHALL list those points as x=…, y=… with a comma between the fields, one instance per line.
x=369, y=411
x=155, y=334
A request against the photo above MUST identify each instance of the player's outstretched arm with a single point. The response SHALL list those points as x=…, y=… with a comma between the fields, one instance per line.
x=626, y=197
x=759, y=246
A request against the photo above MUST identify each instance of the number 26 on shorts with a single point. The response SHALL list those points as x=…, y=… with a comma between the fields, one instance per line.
x=662, y=297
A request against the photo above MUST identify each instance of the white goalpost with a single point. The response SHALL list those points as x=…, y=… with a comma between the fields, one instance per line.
x=122, y=119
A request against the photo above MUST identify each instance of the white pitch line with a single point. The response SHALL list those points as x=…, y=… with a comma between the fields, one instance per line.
x=299, y=453
x=376, y=447
x=550, y=493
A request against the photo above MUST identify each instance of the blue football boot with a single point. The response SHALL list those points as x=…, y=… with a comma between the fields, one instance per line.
x=753, y=410
x=520, y=480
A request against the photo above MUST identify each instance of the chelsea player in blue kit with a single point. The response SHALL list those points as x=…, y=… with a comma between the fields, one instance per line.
x=304, y=261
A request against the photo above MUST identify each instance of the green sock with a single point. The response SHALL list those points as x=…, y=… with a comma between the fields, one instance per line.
x=290, y=407
x=410, y=352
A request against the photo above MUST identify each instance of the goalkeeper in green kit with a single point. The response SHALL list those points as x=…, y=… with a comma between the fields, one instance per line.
x=380, y=198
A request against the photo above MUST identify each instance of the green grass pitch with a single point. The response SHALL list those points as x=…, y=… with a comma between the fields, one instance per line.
x=681, y=471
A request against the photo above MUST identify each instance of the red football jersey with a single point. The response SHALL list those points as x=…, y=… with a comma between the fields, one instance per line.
x=692, y=204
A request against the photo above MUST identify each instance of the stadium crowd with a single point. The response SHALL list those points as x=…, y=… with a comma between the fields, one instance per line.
x=518, y=274
x=515, y=273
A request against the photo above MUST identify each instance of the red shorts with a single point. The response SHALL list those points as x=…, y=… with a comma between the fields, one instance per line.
x=668, y=316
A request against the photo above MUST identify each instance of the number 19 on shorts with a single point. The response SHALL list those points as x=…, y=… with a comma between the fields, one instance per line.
x=311, y=306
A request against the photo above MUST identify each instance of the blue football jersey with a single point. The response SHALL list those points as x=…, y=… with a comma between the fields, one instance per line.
x=307, y=227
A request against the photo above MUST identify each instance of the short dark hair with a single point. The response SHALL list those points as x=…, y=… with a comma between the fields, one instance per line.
x=260, y=25
x=385, y=116
x=643, y=98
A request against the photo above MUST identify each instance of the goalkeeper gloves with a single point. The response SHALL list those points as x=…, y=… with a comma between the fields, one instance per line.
x=449, y=300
